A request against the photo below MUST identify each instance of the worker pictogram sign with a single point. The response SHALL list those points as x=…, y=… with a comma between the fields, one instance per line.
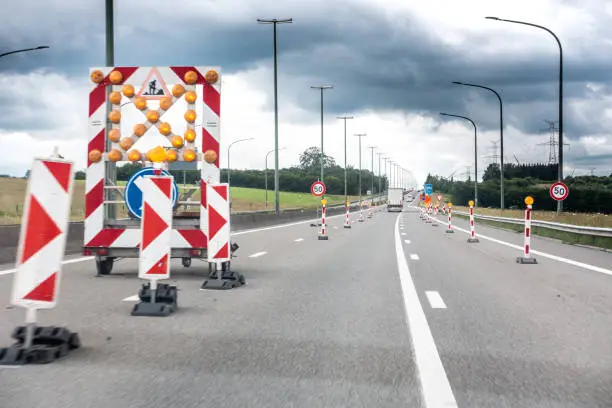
x=318, y=188
x=154, y=86
x=559, y=191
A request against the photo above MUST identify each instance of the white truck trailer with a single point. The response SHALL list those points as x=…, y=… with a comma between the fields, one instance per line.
x=395, y=199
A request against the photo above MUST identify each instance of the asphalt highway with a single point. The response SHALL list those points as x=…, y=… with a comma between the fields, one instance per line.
x=390, y=313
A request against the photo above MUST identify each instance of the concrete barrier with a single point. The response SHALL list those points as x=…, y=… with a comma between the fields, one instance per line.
x=9, y=234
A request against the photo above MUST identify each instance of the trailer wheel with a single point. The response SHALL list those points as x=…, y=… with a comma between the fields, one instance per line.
x=104, y=267
x=186, y=262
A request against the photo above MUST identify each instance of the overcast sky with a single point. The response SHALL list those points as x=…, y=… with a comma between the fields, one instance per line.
x=391, y=63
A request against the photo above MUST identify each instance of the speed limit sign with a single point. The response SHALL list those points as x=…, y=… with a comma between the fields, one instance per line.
x=559, y=191
x=317, y=189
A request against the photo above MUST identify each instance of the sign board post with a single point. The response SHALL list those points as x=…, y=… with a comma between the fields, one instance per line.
x=559, y=191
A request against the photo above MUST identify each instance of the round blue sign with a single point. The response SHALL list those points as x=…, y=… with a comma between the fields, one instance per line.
x=133, y=193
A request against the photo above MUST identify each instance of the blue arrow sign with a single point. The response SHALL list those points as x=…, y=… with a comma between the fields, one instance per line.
x=428, y=189
x=133, y=193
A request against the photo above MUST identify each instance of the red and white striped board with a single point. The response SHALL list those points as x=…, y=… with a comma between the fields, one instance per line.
x=218, y=222
x=96, y=234
x=156, y=227
x=44, y=230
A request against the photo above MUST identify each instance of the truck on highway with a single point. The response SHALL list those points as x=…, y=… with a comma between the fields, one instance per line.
x=395, y=199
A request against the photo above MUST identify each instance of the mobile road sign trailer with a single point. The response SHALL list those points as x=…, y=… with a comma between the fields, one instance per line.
x=152, y=96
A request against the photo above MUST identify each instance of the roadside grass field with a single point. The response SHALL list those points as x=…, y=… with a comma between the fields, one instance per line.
x=243, y=199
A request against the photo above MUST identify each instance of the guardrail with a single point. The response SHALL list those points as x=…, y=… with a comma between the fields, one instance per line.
x=558, y=226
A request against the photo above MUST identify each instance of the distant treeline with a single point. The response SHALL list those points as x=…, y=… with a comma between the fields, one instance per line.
x=587, y=193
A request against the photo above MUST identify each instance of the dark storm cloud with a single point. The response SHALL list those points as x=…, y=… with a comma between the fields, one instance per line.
x=374, y=61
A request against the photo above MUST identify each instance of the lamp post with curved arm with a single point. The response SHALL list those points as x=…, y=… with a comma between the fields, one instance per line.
x=560, y=169
x=40, y=47
x=501, y=137
x=266, y=172
x=228, y=155
x=475, y=152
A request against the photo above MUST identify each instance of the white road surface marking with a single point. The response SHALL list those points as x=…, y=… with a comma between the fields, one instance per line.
x=403, y=233
x=414, y=257
x=435, y=300
x=544, y=254
x=133, y=298
x=407, y=241
x=69, y=261
x=257, y=254
x=299, y=240
x=435, y=387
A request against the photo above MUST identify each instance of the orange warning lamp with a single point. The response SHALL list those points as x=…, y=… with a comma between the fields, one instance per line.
x=471, y=203
x=348, y=203
x=96, y=76
x=114, y=98
x=140, y=103
x=134, y=155
x=114, y=135
x=152, y=116
x=189, y=155
x=178, y=90
x=128, y=90
x=157, y=154
x=190, y=135
x=114, y=155
x=211, y=76
x=139, y=129
x=126, y=143
x=529, y=200
x=190, y=116
x=165, y=103
x=176, y=141
x=171, y=155
x=450, y=205
x=114, y=116
x=210, y=156
x=323, y=202
x=95, y=156
x=164, y=128
x=191, y=77
x=191, y=97
x=115, y=77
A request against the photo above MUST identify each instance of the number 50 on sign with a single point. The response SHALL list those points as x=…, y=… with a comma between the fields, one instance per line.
x=317, y=189
x=559, y=191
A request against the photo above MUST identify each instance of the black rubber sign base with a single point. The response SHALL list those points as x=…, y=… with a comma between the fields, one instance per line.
x=48, y=344
x=166, y=301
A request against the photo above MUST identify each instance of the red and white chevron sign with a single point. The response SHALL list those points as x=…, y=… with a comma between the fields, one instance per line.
x=156, y=228
x=44, y=229
x=218, y=222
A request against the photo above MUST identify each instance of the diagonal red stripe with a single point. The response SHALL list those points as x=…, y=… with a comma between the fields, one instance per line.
x=215, y=222
x=164, y=185
x=97, y=96
x=40, y=230
x=105, y=237
x=45, y=291
x=97, y=143
x=210, y=143
x=195, y=238
x=61, y=172
x=203, y=192
x=152, y=225
x=222, y=191
x=212, y=98
x=160, y=267
x=94, y=198
x=223, y=252
x=181, y=71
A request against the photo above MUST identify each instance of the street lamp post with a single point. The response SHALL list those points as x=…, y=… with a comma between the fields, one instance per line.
x=266, y=173
x=360, y=135
x=372, y=148
x=40, y=47
x=322, y=87
x=386, y=159
x=345, y=190
x=475, y=152
x=379, y=173
x=228, y=155
x=560, y=169
x=274, y=22
x=501, y=136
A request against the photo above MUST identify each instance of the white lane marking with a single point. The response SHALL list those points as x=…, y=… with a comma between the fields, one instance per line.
x=133, y=298
x=435, y=300
x=283, y=225
x=299, y=240
x=257, y=254
x=403, y=233
x=335, y=227
x=435, y=388
x=69, y=261
x=414, y=257
x=544, y=254
x=407, y=241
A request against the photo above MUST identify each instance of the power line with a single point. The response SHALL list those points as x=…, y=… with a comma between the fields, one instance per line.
x=552, y=142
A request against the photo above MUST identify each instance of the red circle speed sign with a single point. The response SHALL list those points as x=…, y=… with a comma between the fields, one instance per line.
x=559, y=191
x=317, y=189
